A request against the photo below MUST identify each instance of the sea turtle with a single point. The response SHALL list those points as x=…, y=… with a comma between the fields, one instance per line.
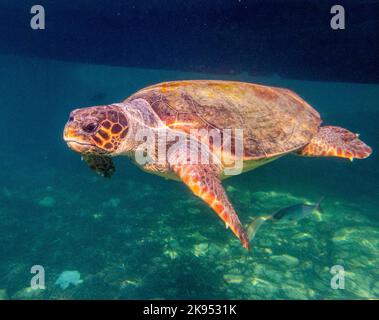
x=268, y=122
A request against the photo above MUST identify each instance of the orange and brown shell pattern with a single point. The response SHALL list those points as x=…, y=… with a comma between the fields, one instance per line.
x=274, y=121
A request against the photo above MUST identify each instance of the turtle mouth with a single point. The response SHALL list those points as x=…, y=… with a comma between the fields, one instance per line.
x=81, y=143
x=80, y=147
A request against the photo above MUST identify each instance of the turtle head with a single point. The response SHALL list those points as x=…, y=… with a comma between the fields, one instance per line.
x=96, y=130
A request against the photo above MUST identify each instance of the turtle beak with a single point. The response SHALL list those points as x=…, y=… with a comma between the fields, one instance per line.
x=75, y=140
x=70, y=133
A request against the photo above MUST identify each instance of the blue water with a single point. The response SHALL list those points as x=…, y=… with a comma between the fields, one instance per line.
x=138, y=236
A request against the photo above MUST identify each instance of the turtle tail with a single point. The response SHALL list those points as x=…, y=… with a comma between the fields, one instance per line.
x=336, y=142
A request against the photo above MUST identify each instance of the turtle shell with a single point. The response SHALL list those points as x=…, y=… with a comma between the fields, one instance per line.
x=275, y=121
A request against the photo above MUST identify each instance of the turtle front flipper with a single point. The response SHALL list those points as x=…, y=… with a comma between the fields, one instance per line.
x=336, y=142
x=103, y=165
x=204, y=183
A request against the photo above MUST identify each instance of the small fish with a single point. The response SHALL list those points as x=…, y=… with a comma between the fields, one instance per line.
x=291, y=213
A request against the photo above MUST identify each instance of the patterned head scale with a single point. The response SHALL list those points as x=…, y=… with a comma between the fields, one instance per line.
x=96, y=130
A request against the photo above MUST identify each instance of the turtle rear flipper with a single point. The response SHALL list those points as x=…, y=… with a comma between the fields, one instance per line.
x=336, y=142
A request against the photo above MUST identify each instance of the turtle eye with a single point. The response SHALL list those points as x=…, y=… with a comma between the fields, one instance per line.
x=90, y=127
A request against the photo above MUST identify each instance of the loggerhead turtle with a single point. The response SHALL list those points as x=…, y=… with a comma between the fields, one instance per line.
x=273, y=121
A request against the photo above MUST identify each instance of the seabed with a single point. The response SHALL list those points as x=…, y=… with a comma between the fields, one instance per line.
x=138, y=236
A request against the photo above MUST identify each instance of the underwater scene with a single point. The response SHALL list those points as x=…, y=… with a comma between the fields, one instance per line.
x=140, y=236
